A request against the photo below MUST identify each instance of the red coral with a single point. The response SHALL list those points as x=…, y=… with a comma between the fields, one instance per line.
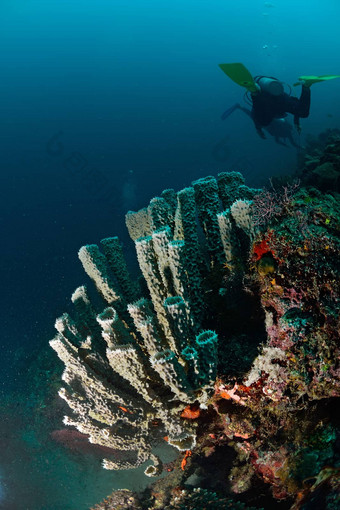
x=271, y=466
x=260, y=249
x=191, y=412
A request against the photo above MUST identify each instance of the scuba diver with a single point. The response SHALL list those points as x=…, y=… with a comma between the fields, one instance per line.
x=268, y=97
x=279, y=128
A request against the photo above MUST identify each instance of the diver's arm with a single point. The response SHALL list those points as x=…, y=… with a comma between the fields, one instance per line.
x=260, y=132
x=246, y=111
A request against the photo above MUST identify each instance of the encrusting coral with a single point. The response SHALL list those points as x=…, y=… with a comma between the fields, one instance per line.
x=234, y=343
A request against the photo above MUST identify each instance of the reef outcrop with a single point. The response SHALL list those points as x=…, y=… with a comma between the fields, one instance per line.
x=228, y=343
x=320, y=161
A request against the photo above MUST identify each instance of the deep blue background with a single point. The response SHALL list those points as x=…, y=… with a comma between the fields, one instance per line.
x=133, y=90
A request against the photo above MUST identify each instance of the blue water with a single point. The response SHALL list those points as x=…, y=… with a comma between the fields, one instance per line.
x=104, y=104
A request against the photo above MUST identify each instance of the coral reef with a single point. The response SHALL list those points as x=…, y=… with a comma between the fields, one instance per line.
x=319, y=164
x=229, y=351
x=134, y=370
x=181, y=499
x=200, y=499
x=120, y=500
x=282, y=401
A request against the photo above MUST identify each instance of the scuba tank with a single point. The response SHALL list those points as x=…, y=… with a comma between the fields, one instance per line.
x=269, y=85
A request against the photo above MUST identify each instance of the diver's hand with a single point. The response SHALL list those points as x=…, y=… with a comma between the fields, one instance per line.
x=261, y=134
x=298, y=128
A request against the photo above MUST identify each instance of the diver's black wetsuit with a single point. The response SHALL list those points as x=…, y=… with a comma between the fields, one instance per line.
x=267, y=107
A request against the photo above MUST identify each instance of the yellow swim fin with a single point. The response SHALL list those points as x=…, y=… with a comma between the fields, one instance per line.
x=307, y=81
x=240, y=75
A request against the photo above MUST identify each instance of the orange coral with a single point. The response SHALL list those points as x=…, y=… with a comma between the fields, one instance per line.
x=184, y=461
x=125, y=410
x=225, y=395
x=191, y=412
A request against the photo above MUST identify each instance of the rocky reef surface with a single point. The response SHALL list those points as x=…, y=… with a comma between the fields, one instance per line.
x=319, y=163
x=226, y=348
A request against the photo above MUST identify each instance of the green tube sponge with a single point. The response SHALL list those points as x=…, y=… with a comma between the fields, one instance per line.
x=114, y=255
x=208, y=206
x=96, y=266
x=226, y=231
x=166, y=364
x=151, y=341
x=67, y=327
x=178, y=317
x=248, y=193
x=161, y=213
x=170, y=196
x=150, y=267
x=187, y=229
x=138, y=223
x=86, y=322
x=229, y=184
x=140, y=310
x=241, y=211
x=190, y=356
x=127, y=362
x=160, y=243
x=114, y=331
x=178, y=266
x=206, y=345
